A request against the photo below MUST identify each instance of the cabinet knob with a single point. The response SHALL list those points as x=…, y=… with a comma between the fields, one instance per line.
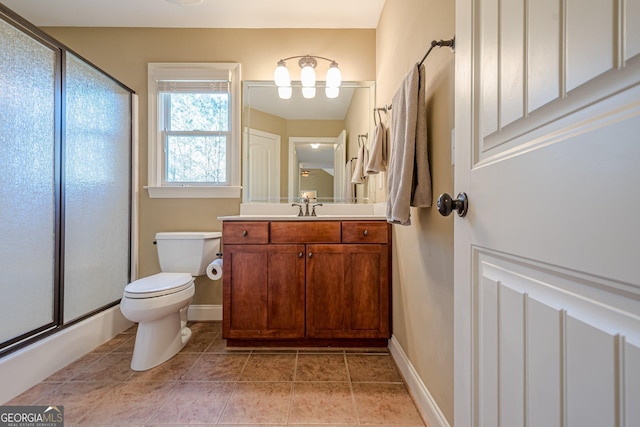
x=310, y=254
x=365, y=232
x=300, y=255
x=244, y=233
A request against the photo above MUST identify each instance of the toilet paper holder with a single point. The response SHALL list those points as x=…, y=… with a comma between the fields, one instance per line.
x=214, y=269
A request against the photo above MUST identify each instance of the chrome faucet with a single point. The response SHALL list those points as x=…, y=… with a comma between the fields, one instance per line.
x=306, y=207
x=300, y=206
x=313, y=210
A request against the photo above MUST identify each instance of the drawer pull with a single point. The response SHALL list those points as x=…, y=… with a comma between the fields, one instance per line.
x=310, y=254
x=300, y=255
x=244, y=233
x=365, y=232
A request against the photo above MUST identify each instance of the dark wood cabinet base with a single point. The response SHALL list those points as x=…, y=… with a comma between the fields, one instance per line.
x=305, y=342
x=307, y=284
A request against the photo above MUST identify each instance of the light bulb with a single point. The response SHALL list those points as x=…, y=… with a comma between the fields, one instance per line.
x=308, y=92
x=334, y=77
x=332, y=92
x=284, y=92
x=308, y=76
x=281, y=75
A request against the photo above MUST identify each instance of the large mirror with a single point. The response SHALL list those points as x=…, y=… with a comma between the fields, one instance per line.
x=304, y=147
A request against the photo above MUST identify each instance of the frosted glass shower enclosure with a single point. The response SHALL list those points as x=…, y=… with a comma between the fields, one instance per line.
x=65, y=186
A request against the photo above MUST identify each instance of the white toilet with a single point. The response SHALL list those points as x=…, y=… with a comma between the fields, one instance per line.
x=159, y=303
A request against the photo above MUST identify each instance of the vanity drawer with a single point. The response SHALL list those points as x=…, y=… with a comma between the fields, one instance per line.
x=305, y=232
x=365, y=232
x=245, y=232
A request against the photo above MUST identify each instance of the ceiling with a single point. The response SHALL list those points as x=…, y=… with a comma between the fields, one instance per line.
x=209, y=14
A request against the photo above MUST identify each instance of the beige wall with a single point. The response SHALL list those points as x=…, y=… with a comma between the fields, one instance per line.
x=423, y=252
x=124, y=54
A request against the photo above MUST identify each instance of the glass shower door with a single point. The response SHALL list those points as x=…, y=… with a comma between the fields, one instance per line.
x=28, y=184
x=97, y=164
x=65, y=186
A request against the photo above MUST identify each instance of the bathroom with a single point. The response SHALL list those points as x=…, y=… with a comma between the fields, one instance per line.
x=423, y=253
x=363, y=54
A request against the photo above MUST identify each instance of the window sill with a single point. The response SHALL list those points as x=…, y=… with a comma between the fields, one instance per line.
x=195, y=192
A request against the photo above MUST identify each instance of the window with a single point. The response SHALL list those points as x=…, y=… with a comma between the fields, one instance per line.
x=194, y=119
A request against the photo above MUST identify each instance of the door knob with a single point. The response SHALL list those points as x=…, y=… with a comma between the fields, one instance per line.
x=446, y=204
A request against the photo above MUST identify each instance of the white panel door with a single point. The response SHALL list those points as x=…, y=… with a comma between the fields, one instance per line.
x=261, y=166
x=339, y=159
x=547, y=260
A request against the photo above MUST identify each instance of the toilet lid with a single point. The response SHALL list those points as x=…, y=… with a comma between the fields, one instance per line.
x=158, y=285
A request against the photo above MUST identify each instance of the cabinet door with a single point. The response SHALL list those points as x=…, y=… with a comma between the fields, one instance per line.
x=347, y=291
x=263, y=289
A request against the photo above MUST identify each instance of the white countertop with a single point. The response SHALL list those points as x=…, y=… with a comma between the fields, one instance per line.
x=326, y=212
x=269, y=217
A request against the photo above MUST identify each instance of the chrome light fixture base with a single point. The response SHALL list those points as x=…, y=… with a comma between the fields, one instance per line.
x=307, y=63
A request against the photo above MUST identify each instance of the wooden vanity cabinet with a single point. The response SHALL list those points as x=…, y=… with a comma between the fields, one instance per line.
x=264, y=294
x=306, y=282
x=347, y=291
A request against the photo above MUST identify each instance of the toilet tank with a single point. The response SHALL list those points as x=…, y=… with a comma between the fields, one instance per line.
x=187, y=252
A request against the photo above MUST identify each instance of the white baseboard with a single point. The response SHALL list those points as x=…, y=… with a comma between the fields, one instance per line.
x=204, y=312
x=28, y=366
x=427, y=406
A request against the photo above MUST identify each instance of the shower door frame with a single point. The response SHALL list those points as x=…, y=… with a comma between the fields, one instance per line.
x=60, y=51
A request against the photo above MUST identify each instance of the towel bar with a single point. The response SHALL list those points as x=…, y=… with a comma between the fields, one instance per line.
x=442, y=43
x=451, y=43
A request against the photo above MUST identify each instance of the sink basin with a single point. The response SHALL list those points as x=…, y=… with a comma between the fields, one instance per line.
x=328, y=212
x=278, y=217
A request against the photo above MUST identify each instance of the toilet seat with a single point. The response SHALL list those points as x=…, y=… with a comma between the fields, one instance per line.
x=158, y=285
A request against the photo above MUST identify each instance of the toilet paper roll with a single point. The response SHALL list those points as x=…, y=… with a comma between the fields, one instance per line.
x=214, y=269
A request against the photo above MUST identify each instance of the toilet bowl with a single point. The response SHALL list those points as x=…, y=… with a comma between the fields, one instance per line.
x=159, y=303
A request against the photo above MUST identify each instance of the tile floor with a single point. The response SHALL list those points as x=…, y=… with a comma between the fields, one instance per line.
x=207, y=385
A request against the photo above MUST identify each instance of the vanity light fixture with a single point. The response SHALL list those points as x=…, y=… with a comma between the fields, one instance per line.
x=315, y=146
x=307, y=63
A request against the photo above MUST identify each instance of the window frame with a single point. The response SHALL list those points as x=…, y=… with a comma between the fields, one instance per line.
x=156, y=139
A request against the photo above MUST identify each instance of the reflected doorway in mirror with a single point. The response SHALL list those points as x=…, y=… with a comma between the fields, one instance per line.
x=261, y=171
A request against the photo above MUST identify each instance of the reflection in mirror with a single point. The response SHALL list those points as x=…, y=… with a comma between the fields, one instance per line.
x=303, y=147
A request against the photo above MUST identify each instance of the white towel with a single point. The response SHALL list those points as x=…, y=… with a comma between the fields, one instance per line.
x=359, y=173
x=409, y=179
x=378, y=158
x=421, y=189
